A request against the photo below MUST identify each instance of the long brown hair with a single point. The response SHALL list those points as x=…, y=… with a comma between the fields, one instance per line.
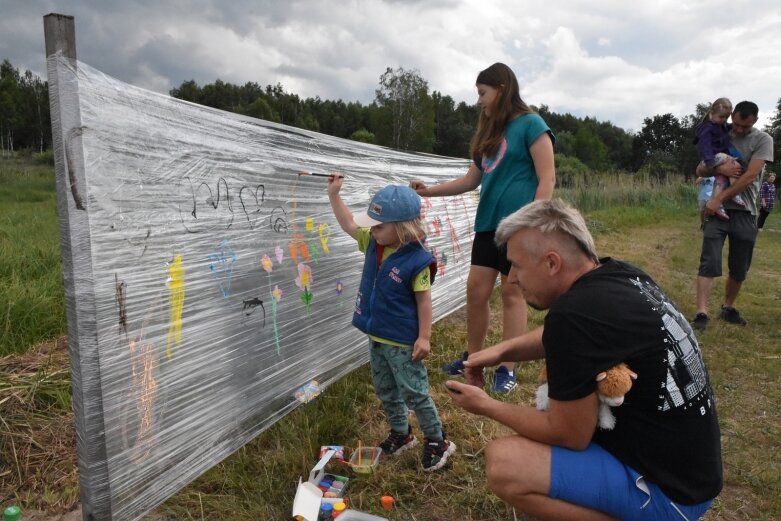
x=508, y=104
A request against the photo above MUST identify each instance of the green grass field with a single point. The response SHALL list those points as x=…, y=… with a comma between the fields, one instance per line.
x=651, y=224
x=31, y=294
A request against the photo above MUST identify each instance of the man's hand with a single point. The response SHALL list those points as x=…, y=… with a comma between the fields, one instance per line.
x=711, y=206
x=474, y=376
x=486, y=357
x=730, y=168
x=471, y=398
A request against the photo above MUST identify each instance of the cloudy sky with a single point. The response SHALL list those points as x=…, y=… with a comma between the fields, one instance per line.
x=615, y=60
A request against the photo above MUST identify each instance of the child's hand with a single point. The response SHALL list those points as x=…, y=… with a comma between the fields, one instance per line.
x=335, y=184
x=421, y=349
x=419, y=186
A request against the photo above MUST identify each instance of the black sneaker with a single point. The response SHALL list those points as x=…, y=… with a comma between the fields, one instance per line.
x=700, y=321
x=397, y=443
x=435, y=453
x=455, y=368
x=732, y=316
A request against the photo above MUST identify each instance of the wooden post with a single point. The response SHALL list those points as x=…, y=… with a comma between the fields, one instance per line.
x=75, y=244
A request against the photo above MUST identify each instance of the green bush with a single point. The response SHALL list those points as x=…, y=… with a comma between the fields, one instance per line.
x=363, y=136
x=44, y=158
x=569, y=171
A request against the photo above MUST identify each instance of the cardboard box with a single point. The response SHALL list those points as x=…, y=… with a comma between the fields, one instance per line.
x=309, y=496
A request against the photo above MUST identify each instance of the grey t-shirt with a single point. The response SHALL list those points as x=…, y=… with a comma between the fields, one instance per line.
x=755, y=145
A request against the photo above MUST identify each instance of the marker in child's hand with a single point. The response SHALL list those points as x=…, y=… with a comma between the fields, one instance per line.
x=317, y=174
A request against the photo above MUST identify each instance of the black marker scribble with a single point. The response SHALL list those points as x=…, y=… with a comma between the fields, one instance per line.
x=222, y=185
x=277, y=222
x=120, y=298
x=250, y=305
x=68, y=151
x=258, y=202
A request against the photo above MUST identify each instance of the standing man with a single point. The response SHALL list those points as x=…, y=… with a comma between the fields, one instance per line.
x=662, y=460
x=752, y=148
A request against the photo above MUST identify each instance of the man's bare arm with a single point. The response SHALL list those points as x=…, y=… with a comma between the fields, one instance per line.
x=740, y=183
x=525, y=347
x=568, y=424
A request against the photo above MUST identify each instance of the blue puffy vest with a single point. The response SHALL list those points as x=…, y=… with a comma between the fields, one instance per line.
x=385, y=306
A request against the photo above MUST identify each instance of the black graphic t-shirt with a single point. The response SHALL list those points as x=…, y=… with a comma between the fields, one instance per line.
x=667, y=428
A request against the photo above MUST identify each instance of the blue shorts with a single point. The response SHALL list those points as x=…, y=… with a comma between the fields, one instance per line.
x=595, y=479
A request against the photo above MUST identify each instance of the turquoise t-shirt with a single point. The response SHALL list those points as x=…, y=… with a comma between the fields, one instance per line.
x=509, y=180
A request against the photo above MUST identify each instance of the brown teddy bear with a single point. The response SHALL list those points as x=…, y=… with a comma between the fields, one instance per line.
x=612, y=386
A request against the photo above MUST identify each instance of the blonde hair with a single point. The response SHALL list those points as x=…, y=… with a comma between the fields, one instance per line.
x=550, y=217
x=717, y=106
x=408, y=231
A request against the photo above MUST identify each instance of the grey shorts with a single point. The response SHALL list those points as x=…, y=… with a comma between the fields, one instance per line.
x=742, y=232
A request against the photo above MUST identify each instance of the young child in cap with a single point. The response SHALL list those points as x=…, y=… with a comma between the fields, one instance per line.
x=393, y=308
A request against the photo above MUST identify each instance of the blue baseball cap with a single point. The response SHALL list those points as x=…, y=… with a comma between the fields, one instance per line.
x=393, y=203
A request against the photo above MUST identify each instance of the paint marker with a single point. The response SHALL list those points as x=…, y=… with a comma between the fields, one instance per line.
x=317, y=174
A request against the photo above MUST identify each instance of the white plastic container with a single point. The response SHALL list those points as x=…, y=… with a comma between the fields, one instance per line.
x=370, y=458
x=355, y=515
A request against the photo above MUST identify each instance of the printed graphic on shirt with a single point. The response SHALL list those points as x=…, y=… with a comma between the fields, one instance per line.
x=488, y=165
x=686, y=384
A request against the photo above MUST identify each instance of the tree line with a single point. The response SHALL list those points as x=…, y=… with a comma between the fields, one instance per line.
x=24, y=111
x=405, y=115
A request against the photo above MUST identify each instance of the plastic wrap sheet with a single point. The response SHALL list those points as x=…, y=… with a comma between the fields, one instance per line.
x=208, y=283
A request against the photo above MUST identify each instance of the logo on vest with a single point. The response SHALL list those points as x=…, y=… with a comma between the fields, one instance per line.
x=358, y=304
x=394, y=274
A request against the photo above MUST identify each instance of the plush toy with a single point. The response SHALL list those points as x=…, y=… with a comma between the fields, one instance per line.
x=541, y=396
x=612, y=386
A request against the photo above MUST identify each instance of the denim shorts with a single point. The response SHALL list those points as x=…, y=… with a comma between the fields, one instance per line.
x=595, y=479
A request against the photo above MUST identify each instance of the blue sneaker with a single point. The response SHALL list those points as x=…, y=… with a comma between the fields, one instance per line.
x=504, y=382
x=456, y=368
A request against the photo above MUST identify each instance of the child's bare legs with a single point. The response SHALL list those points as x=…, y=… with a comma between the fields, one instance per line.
x=479, y=286
x=514, y=313
x=721, y=182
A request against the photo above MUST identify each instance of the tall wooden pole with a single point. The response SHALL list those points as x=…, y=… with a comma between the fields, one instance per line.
x=76, y=246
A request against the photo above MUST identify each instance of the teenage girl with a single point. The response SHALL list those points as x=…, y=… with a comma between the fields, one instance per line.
x=512, y=151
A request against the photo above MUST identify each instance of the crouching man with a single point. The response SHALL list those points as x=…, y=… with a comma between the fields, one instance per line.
x=662, y=460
